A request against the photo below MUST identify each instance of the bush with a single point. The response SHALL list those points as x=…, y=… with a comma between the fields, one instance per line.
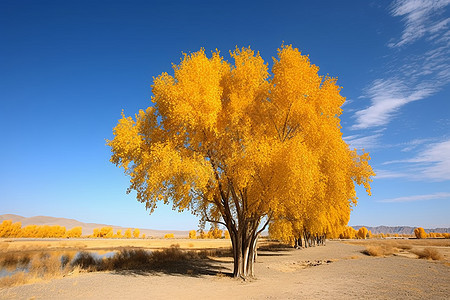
x=169, y=236
x=428, y=253
x=420, y=233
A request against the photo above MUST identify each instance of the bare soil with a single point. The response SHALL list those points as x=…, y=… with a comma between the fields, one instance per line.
x=335, y=271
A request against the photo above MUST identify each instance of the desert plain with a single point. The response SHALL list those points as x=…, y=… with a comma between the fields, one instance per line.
x=342, y=269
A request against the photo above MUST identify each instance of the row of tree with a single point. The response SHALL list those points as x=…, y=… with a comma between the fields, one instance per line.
x=420, y=233
x=108, y=232
x=214, y=233
x=8, y=229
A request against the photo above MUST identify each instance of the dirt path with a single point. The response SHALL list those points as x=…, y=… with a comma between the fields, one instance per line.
x=336, y=271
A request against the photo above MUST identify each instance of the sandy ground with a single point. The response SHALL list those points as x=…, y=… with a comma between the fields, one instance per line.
x=334, y=271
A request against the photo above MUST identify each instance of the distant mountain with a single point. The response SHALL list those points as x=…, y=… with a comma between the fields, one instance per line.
x=88, y=228
x=400, y=229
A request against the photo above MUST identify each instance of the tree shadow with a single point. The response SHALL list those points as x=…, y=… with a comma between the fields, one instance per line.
x=190, y=268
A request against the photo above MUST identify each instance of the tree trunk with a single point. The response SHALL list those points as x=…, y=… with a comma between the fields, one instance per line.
x=244, y=254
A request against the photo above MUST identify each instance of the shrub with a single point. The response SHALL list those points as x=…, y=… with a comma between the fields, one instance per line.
x=192, y=234
x=169, y=236
x=428, y=253
x=420, y=233
x=362, y=233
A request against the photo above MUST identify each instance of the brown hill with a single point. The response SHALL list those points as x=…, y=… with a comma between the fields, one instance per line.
x=88, y=228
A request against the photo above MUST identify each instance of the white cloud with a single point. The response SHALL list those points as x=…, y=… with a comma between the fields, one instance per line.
x=418, y=198
x=417, y=76
x=384, y=174
x=362, y=142
x=421, y=18
x=387, y=96
x=433, y=163
x=411, y=145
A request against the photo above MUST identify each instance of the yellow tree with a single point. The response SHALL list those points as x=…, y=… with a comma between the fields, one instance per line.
x=74, y=232
x=362, y=233
x=127, y=233
x=420, y=233
x=237, y=145
x=192, y=234
x=136, y=233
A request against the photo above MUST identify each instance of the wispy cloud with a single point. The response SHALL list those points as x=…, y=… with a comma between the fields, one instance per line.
x=418, y=76
x=387, y=96
x=432, y=163
x=428, y=197
x=387, y=174
x=411, y=145
x=421, y=18
x=362, y=142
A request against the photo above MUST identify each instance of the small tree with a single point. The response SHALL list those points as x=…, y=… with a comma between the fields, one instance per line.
x=136, y=233
x=127, y=233
x=192, y=234
x=362, y=233
x=74, y=232
x=420, y=233
x=169, y=236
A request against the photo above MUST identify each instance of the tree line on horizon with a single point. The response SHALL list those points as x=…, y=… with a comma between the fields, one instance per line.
x=8, y=229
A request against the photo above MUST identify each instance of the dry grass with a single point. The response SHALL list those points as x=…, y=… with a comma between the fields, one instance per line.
x=402, y=243
x=381, y=250
x=407, y=248
x=29, y=268
x=428, y=253
x=33, y=266
x=32, y=260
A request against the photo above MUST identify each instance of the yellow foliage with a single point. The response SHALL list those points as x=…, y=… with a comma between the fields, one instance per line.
x=127, y=233
x=136, y=233
x=169, y=236
x=349, y=233
x=104, y=232
x=420, y=233
x=74, y=232
x=237, y=144
x=192, y=234
x=362, y=233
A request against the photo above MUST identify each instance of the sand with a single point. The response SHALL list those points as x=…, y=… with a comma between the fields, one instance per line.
x=334, y=271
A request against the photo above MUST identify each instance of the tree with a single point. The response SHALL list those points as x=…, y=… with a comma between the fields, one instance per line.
x=10, y=229
x=118, y=234
x=127, y=233
x=420, y=233
x=239, y=146
x=362, y=233
x=136, y=233
x=192, y=234
x=74, y=232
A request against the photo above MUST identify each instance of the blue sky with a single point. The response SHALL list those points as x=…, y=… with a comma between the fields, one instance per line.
x=68, y=68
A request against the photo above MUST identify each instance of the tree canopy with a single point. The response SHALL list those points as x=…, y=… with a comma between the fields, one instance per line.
x=241, y=146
